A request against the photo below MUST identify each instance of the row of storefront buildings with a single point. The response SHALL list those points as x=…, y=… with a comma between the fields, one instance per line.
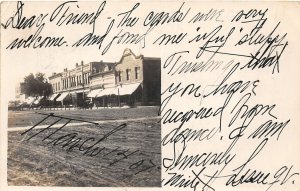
x=131, y=81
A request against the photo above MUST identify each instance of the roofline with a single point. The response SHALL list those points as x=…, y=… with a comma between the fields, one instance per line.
x=56, y=75
x=114, y=64
x=123, y=55
x=152, y=58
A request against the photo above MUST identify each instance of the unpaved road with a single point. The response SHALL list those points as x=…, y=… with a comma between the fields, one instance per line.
x=129, y=157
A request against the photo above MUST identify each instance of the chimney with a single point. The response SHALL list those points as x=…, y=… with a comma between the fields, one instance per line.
x=81, y=62
x=76, y=64
x=53, y=73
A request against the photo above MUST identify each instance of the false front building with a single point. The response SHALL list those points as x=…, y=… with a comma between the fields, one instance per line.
x=137, y=81
x=102, y=79
x=71, y=86
x=134, y=80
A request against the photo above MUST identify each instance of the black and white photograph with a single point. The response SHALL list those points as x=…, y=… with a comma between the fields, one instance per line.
x=95, y=124
x=149, y=95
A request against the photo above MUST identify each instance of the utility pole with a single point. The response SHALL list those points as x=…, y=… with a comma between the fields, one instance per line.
x=119, y=97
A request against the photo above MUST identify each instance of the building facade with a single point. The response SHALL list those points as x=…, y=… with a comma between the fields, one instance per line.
x=102, y=79
x=133, y=80
x=71, y=86
x=55, y=81
x=138, y=79
x=102, y=75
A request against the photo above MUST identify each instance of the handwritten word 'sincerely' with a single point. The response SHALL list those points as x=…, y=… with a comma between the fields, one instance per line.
x=224, y=70
x=223, y=50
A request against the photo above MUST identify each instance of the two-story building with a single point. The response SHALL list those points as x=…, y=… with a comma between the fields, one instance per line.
x=138, y=80
x=102, y=79
x=71, y=86
x=55, y=81
x=133, y=80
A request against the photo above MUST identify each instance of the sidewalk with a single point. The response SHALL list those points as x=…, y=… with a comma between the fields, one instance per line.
x=74, y=124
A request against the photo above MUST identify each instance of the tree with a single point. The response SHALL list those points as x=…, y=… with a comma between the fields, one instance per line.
x=37, y=85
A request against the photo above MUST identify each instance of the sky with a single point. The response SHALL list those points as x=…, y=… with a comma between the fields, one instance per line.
x=18, y=63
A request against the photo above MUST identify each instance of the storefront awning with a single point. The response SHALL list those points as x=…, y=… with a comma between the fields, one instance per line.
x=80, y=91
x=94, y=93
x=37, y=101
x=62, y=96
x=126, y=89
x=104, y=92
x=53, y=97
x=30, y=100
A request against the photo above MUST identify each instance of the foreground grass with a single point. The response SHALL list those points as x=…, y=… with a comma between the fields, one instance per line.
x=29, y=117
x=38, y=163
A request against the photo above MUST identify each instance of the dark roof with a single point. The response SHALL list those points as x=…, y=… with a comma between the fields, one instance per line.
x=151, y=58
x=55, y=75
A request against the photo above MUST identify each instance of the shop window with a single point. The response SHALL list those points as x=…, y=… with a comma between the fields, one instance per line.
x=120, y=76
x=137, y=72
x=128, y=74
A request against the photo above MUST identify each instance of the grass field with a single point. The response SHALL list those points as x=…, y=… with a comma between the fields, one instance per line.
x=29, y=117
x=130, y=156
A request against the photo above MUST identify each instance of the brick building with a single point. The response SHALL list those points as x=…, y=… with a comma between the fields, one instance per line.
x=71, y=86
x=133, y=80
x=138, y=79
